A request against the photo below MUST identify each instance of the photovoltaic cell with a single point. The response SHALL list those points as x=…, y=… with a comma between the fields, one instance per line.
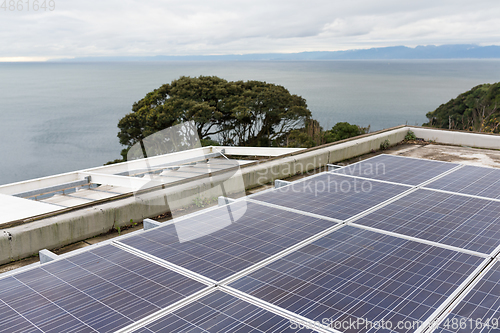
x=479, y=311
x=221, y=313
x=330, y=195
x=101, y=290
x=397, y=169
x=484, y=182
x=465, y=222
x=217, y=245
x=354, y=274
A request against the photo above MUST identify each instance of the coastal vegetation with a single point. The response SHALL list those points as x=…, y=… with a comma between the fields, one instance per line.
x=232, y=113
x=312, y=134
x=474, y=110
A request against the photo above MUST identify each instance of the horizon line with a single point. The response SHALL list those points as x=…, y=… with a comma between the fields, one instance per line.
x=63, y=58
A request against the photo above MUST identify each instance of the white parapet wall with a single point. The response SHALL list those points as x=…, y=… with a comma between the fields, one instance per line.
x=301, y=162
x=458, y=138
x=52, y=232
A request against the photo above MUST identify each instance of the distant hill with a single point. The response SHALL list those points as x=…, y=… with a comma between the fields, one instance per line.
x=392, y=52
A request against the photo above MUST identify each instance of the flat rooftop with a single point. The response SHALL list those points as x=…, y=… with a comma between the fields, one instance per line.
x=409, y=235
x=384, y=237
x=463, y=155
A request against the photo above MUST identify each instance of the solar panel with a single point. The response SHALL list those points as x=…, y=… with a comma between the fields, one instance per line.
x=331, y=195
x=484, y=182
x=199, y=245
x=479, y=311
x=464, y=222
x=220, y=312
x=397, y=169
x=100, y=290
x=353, y=274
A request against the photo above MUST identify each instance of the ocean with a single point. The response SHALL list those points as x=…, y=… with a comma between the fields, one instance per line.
x=60, y=117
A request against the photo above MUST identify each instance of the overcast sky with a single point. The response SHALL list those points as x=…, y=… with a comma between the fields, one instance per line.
x=79, y=28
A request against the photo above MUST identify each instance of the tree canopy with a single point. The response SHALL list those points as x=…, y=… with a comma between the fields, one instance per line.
x=243, y=113
x=474, y=110
x=232, y=113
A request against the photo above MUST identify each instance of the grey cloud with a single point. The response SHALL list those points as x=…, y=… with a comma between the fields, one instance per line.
x=131, y=27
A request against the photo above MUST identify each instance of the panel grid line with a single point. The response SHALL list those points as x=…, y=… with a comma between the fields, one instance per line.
x=460, y=194
x=458, y=167
x=306, y=266
x=277, y=256
x=458, y=221
x=242, y=297
x=335, y=172
x=381, y=205
x=454, y=300
x=397, y=169
x=301, y=212
x=92, y=295
x=164, y=263
x=278, y=310
x=253, y=238
x=108, y=281
x=22, y=316
x=420, y=240
x=239, y=324
x=335, y=196
x=163, y=312
x=373, y=264
x=474, y=180
x=64, y=310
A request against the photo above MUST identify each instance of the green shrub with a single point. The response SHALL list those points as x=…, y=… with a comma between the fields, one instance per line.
x=201, y=202
x=410, y=136
x=384, y=145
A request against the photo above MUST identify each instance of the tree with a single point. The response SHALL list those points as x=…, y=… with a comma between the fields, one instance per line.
x=250, y=113
x=475, y=110
x=310, y=135
x=263, y=113
x=344, y=130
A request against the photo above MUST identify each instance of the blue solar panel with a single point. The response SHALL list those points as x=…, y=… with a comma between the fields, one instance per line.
x=465, y=222
x=217, y=247
x=101, y=290
x=330, y=195
x=397, y=169
x=472, y=180
x=221, y=313
x=355, y=274
x=479, y=311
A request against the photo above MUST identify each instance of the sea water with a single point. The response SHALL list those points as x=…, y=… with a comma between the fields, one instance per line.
x=60, y=117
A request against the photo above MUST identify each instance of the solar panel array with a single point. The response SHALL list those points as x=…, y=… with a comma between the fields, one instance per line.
x=409, y=246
